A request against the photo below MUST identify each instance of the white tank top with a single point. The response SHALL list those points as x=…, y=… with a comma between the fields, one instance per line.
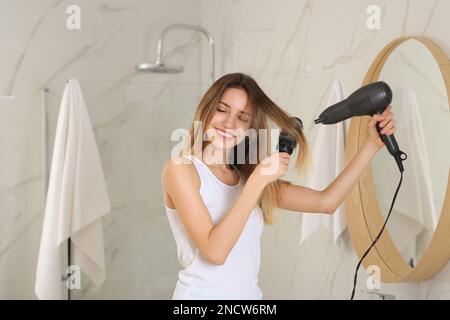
x=237, y=278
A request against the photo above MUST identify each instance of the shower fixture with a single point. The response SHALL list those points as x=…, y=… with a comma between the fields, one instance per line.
x=160, y=67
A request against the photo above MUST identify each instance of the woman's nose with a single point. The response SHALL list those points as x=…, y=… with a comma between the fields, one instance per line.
x=229, y=122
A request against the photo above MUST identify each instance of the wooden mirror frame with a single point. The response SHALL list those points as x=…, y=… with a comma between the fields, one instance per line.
x=364, y=217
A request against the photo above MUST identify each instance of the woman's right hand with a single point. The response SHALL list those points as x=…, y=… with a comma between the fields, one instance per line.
x=272, y=167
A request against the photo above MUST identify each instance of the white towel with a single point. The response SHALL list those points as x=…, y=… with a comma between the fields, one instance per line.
x=76, y=200
x=329, y=158
x=417, y=180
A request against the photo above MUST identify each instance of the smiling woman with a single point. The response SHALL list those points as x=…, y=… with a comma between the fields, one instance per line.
x=216, y=211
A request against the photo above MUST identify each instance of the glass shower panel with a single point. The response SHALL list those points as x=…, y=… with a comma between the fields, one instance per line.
x=133, y=123
x=20, y=194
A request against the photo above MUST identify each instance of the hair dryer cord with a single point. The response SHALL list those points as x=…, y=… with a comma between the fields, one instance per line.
x=378, y=236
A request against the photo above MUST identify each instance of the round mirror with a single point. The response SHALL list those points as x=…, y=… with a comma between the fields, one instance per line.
x=420, y=105
x=416, y=241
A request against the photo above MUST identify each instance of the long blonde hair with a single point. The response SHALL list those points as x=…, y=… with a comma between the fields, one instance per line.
x=263, y=108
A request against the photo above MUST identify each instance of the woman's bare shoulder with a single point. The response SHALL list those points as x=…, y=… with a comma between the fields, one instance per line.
x=177, y=170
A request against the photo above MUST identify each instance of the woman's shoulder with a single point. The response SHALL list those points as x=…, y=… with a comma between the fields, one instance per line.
x=180, y=170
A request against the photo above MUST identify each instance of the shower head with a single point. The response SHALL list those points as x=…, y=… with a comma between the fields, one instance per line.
x=158, y=68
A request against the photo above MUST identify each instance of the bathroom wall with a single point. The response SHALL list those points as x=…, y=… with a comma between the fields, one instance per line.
x=295, y=49
x=132, y=115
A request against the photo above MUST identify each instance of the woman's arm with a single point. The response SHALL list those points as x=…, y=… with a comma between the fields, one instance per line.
x=303, y=199
x=336, y=192
x=215, y=242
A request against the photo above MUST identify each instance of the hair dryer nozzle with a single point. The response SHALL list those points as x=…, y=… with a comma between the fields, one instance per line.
x=320, y=119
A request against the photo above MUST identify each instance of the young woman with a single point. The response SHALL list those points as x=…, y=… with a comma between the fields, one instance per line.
x=217, y=211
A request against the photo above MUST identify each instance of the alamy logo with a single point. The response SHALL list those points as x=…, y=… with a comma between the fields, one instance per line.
x=245, y=152
x=374, y=18
x=73, y=280
x=374, y=279
x=73, y=22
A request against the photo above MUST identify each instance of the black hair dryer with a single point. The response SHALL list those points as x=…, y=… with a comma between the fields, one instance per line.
x=286, y=143
x=367, y=100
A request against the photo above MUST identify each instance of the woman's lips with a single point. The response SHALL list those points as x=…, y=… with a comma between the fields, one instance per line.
x=224, y=135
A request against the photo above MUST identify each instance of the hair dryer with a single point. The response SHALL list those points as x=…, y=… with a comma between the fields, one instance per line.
x=367, y=100
x=287, y=143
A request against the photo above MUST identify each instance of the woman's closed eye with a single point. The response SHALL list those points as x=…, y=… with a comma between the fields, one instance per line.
x=244, y=118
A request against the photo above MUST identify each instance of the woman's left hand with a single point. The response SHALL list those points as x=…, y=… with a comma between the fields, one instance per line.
x=387, y=125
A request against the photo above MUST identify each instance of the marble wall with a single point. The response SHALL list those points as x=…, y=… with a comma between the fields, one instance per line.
x=295, y=49
x=132, y=114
